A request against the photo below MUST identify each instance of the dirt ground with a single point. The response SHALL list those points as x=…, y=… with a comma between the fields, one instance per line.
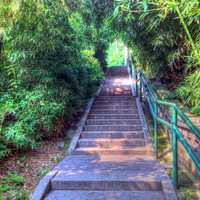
x=32, y=165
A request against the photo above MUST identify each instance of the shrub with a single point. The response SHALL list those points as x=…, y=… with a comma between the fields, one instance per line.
x=47, y=74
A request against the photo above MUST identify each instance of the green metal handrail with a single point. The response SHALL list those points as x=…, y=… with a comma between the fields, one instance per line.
x=143, y=89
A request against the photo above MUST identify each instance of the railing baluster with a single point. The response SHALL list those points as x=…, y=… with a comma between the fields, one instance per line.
x=174, y=147
x=140, y=87
x=155, y=125
x=136, y=83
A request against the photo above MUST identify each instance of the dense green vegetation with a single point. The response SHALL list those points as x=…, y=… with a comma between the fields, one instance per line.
x=52, y=54
x=47, y=72
x=164, y=38
x=115, y=54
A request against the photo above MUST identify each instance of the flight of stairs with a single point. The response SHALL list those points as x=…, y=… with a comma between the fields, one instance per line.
x=113, y=159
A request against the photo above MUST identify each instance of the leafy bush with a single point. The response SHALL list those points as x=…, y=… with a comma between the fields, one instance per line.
x=47, y=74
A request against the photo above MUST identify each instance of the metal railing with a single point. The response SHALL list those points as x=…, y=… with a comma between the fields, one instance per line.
x=146, y=93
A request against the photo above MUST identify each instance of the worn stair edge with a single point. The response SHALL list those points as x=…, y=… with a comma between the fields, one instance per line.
x=104, y=185
x=113, y=116
x=83, y=120
x=110, y=143
x=43, y=187
x=105, y=195
x=112, y=121
x=112, y=134
x=103, y=151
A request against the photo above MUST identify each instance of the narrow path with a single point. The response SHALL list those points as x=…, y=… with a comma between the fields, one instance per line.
x=113, y=158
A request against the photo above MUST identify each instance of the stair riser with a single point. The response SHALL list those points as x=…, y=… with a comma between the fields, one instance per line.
x=114, y=93
x=130, y=152
x=116, y=99
x=112, y=116
x=112, y=88
x=113, y=122
x=111, y=144
x=106, y=185
x=113, y=107
x=112, y=128
x=109, y=100
x=114, y=104
x=99, y=111
x=113, y=136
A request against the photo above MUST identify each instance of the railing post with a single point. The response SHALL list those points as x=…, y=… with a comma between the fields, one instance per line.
x=140, y=87
x=136, y=84
x=174, y=148
x=155, y=127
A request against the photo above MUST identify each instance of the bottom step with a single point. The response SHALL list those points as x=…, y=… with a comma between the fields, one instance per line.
x=104, y=195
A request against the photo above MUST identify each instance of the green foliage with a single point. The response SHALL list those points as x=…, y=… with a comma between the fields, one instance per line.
x=94, y=16
x=115, y=54
x=163, y=37
x=47, y=73
x=190, y=90
x=14, y=179
x=11, y=184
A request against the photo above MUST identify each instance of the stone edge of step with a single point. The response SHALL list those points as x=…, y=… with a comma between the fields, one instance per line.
x=146, y=130
x=43, y=187
x=83, y=120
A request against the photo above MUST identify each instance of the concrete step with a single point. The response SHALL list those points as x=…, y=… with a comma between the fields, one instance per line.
x=113, y=116
x=105, y=151
x=111, y=93
x=115, y=91
x=109, y=173
x=116, y=97
x=115, y=103
x=104, y=195
x=135, y=127
x=115, y=100
x=111, y=143
x=111, y=86
x=110, y=106
x=112, y=134
x=113, y=111
x=113, y=122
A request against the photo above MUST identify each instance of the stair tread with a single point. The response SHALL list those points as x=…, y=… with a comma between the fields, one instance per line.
x=110, y=169
x=111, y=143
x=104, y=195
x=112, y=140
x=131, y=151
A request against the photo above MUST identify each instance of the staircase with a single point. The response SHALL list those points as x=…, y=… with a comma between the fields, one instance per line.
x=113, y=158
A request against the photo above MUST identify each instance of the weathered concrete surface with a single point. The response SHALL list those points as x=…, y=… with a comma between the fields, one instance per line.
x=112, y=157
x=104, y=195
